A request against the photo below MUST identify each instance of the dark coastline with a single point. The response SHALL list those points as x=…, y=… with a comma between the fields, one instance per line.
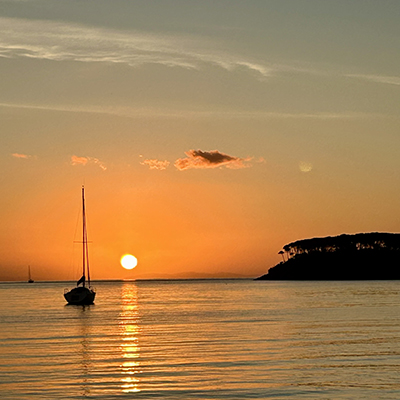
x=369, y=256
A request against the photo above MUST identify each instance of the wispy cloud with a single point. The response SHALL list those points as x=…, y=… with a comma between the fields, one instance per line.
x=140, y=112
x=210, y=159
x=23, y=156
x=389, y=80
x=60, y=41
x=76, y=160
x=156, y=164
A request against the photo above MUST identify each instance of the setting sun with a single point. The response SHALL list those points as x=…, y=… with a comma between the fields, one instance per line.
x=128, y=261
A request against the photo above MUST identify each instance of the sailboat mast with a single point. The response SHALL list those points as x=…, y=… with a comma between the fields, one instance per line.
x=87, y=257
x=84, y=244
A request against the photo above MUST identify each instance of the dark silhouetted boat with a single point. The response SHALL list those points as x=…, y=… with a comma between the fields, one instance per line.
x=30, y=280
x=83, y=293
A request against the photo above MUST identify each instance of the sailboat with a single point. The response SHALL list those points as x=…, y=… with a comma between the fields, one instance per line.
x=83, y=293
x=30, y=280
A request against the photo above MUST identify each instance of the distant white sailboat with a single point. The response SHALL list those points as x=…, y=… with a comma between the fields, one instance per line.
x=30, y=280
x=83, y=294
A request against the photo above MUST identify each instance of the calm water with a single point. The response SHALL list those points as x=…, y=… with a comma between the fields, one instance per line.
x=202, y=340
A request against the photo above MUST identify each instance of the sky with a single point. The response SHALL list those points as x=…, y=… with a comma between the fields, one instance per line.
x=208, y=134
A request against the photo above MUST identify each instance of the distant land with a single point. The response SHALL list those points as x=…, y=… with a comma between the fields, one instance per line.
x=191, y=275
x=361, y=256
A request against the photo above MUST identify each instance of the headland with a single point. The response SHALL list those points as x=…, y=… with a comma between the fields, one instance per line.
x=361, y=256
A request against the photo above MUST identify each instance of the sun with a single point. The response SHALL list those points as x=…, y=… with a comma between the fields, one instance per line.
x=128, y=261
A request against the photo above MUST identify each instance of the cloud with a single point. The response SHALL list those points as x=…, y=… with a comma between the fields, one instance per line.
x=59, y=41
x=305, y=166
x=75, y=160
x=156, y=164
x=19, y=155
x=389, y=80
x=133, y=112
x=210, y=159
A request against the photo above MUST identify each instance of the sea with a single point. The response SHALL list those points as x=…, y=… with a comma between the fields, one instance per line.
x=202, y=339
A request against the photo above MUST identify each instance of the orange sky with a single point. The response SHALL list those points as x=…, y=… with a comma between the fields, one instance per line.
x=207, y=136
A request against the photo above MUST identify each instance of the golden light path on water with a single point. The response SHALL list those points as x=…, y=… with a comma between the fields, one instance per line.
x=129, y=331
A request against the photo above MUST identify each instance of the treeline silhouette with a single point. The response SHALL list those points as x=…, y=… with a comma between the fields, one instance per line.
x=362, y=256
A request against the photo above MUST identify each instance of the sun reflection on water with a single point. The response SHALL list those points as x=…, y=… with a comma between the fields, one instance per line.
x=129, y=331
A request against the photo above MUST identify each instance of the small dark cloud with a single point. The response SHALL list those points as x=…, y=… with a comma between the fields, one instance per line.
x=210, y=159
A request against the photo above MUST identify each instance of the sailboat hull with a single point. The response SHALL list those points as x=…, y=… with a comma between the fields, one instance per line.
x=80, y=295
